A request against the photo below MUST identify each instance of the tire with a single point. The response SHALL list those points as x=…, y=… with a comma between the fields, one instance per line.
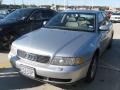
x=110, y=43
x=6, y=42
x=92, y=69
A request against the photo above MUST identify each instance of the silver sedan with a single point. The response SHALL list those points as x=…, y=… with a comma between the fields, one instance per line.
x=66, y=49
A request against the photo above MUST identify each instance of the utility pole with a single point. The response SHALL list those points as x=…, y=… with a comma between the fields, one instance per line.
x=1, y=2
x=65, y=4
x=92, y=4
x=14, y=2
x=30, y=3
x=22, y=4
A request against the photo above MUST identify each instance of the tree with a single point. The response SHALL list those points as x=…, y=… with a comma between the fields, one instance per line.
x=102, y=8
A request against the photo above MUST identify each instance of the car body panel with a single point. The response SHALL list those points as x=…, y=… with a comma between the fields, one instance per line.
x=56, y=44
x=62, y=43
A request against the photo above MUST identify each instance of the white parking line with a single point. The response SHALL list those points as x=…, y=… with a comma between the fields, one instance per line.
x=8, y=76
x=8, y=73
x=109, y=66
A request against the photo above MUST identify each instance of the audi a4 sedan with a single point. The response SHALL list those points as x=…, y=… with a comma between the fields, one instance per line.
x=66, y=49
x=20, y=22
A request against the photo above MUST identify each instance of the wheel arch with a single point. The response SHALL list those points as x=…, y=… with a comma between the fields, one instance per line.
x=97, y=51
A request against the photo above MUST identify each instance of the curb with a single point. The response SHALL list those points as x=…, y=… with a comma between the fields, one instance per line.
x=5, y=65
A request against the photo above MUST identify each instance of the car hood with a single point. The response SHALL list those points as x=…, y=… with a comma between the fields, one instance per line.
x=8, y=22
x=54, y=42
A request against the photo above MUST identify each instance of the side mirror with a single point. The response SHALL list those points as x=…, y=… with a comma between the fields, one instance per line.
x=23, y=18
x=103, y=28
x=44, y=23
x=32, y=18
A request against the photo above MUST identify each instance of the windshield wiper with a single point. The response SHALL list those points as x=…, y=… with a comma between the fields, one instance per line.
x=53, y=27
x=47, y=27
x=68, y=29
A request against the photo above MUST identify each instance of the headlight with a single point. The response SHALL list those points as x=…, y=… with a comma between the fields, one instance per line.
x=66, y=61
x=13, y=50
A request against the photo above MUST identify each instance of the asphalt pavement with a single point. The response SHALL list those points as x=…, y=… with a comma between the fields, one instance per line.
x=107, y=78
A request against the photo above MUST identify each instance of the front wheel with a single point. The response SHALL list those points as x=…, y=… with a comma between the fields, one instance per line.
x=110, y=43
x=92, y=69
x=6, y=41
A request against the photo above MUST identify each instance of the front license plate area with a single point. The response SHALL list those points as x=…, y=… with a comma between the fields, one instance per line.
x=27, y=71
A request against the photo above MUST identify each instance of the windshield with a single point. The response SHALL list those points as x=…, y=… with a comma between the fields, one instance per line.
x=19, y=14
x=73, y=21
x=116, y=13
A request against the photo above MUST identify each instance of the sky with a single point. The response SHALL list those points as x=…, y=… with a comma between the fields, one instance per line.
x=113, y=3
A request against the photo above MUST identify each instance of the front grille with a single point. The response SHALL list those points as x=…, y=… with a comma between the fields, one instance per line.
x=33, y=57
x=117, y=17
x=52, y=79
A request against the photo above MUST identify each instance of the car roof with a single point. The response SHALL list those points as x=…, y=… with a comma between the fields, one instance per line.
x=34, y=9
x=82, y=11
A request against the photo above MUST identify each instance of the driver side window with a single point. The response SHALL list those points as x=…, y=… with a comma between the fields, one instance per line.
x=102, y=20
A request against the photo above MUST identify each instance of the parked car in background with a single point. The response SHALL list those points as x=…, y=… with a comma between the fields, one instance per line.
x=115, y=17
x=22, y=21
x=66, y=49
x=5, y=12
x=108, y=13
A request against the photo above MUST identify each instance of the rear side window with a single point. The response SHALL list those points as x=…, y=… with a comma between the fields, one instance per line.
x=36, y=15
x=104, y=15
x=103, y=20
x=100, y=17
x=47, y=14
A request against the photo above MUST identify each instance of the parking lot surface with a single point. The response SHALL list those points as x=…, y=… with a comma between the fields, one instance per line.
x=107, y=78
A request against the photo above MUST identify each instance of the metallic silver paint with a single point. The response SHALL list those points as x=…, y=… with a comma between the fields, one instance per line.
x=62, y=43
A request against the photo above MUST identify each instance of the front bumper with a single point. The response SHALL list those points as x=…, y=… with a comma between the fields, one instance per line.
x=52, y=73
